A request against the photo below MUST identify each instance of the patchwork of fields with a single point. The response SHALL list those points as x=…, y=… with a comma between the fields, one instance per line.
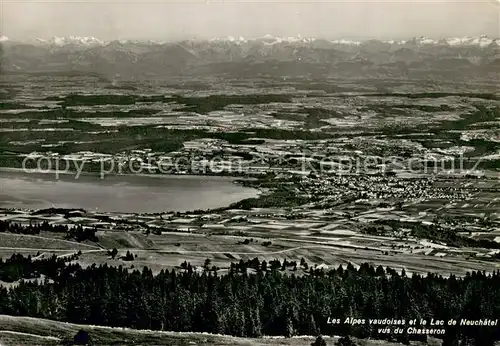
x=390, y=173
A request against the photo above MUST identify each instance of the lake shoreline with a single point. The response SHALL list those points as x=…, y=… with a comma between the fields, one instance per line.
x=127, y=193
x=147, y=175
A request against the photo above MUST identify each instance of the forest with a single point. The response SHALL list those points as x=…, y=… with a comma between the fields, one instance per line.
x=253, y=299
x=78, y=232
x=435, y=232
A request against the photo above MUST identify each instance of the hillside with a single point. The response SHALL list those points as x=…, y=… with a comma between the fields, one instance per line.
x=34, y=331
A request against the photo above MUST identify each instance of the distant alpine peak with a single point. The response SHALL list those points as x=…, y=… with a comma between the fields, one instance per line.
x=232, y=39
x=347, y=42
x=79, y=40
x=266, y=39
x=482, y=41
x=276, y=39
x=425, y=40
x=152, y=42
x=3, y=38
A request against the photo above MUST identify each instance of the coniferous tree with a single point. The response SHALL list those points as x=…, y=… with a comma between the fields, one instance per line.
x=319, y=341
x=311, y=326
x=345, y=341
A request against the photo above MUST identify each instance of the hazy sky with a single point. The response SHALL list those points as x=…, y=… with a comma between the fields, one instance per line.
x=170, y=20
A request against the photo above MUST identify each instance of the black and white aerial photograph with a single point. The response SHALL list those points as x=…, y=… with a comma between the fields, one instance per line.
x=250, y=172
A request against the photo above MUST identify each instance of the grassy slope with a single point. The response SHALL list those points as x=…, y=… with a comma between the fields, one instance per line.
x=33, y=331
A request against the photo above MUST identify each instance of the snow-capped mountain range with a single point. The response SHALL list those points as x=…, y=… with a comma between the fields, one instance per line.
x=480, y=41
x=239, y=57
x=62, y=41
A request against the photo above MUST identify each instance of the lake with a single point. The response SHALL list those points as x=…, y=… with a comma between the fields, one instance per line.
x=123, y=193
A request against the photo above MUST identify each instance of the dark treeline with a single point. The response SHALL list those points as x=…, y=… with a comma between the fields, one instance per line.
x=32, y=229
x=265, y=302
x=78, y=233
x=435, y=232
x=19, y=267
